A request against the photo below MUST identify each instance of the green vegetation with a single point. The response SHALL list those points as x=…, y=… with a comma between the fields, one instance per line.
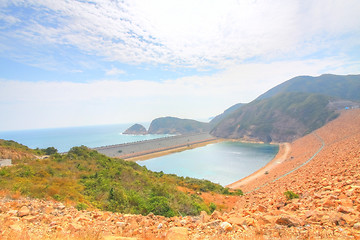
x=168, y=125
x=87, y=179
x=279, y=118
x=344, y=87
x=290, y=195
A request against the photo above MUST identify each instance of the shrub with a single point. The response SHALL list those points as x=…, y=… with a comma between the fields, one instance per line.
x=290, y=195
x=212, y=207
x=81, y=206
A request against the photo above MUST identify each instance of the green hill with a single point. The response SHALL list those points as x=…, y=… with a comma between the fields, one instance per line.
x=345, y=87
x=87, y=178
x=281, y=118
x=172, y=125
x=226, y=113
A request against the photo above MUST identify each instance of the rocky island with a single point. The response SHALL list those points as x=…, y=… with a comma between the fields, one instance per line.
x=136, y=129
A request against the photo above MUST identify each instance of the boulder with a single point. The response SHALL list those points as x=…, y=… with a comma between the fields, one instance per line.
x=177, y=233
x=289, y=221
x=226, y=226
x=23, y=211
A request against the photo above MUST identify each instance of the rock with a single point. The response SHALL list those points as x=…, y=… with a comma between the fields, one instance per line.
x=30, y=218
x=262, y=208
x=160, y=226
x=74, y=227
x=15, y=227
x=289, y=221
x=121, y=224
x=177, y=233
x=213, y=223
x=136, y=129
x=226, y=226
x=237, y=221
x=215, y=215
x=60, y=206
x=204, y=217
x=357, y=226
x=343, y=209
x=23, y=211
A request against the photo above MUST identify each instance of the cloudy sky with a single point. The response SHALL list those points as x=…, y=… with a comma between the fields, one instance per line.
x=74, y=63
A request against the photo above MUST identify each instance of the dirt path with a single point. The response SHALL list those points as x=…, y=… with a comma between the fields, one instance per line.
x=279, y=158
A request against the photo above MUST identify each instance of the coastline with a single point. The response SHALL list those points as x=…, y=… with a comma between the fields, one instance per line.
x=284, y=150
x=161, y=153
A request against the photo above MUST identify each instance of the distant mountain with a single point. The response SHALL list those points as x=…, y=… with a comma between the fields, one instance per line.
x=281, y=118
x=172, y=125
x=226, y=113
x=341, y=86
x=136, y=129
x=291, y=109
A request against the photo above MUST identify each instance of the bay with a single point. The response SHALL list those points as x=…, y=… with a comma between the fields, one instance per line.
x=222, y=163
x=65, y=138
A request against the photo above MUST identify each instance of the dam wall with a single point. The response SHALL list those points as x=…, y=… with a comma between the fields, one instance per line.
x=140, y=148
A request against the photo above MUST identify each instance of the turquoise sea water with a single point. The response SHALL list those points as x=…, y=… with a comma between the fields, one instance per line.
x=222, y=163
x=65, y=138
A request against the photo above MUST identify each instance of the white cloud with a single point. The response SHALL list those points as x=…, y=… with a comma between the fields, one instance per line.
x=114, y=72
x=193, y=33
x=54, y=104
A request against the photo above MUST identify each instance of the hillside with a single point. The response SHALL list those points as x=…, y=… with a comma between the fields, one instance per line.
x=281, y=118
x=327, y=204
x=88, y=179
x=226, y=113
x=172, y=125
x=340, y=86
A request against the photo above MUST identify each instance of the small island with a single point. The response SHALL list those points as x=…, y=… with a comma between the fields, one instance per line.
x=136, y=129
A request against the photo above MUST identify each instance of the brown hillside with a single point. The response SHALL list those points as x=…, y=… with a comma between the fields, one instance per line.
x=328, y=205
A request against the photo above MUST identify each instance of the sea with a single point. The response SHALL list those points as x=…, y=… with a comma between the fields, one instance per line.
x=222, y=163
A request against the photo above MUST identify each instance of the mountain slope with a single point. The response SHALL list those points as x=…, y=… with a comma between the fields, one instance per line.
x=341, y=86
x=172, y=125
x=226, y=113
x=281, y=118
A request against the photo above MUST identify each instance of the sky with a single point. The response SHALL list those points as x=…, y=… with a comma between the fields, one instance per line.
x=78, y=63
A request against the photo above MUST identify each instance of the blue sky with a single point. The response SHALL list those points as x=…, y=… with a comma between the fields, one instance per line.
x=75, y=63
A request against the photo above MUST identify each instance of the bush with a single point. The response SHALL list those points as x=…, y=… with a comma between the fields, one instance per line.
x=81, y=206
x=290, y=195
x=212, y=207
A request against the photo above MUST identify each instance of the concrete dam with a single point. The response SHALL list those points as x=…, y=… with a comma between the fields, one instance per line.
x=141, y=148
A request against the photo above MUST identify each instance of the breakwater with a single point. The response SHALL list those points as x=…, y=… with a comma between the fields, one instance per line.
x=140, y=148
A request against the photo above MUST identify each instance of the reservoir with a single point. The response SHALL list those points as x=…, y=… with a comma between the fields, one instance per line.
x=222, y=163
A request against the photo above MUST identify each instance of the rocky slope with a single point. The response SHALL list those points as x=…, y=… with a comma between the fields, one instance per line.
x=136, y=129
x=328, y=206
x=172, y=125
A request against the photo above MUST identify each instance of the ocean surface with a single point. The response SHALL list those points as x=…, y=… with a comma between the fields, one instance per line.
x=222, y=163
x=65, y=138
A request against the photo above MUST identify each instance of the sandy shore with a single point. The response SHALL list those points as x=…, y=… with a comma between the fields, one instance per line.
x=284, y=150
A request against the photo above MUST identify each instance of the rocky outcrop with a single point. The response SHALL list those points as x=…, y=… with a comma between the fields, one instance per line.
x=136, y=129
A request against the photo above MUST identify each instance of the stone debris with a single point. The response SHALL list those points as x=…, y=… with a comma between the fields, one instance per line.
x=328, y=206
